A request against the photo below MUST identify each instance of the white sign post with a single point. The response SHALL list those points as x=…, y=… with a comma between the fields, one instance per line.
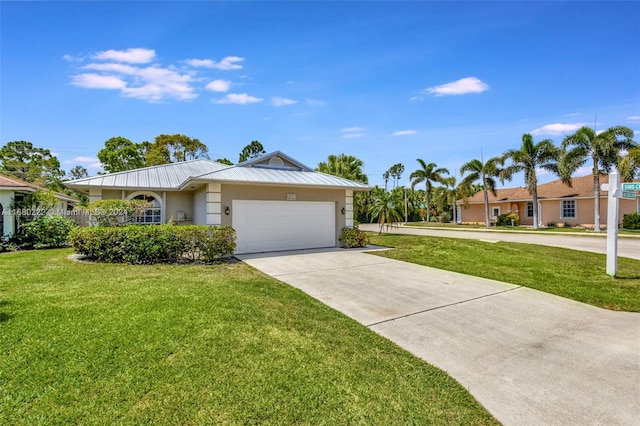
x=613, y=199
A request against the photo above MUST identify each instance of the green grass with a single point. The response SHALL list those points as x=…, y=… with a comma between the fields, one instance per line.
x=572, y=274
x=84, y=343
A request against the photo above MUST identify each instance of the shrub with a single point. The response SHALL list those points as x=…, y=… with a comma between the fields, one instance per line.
x=116, y=212
x=631, y=221
x=45, y=232
x=353, y=237
x=505, y=219
x=147, y=244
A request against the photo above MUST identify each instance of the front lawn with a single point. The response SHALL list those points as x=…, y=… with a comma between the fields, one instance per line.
x=577, y=275
x=85, y=343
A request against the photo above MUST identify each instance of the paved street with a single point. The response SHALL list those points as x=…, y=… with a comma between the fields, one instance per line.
x=627, y=247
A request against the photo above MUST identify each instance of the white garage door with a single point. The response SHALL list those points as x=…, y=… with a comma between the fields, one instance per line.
x=283, y=225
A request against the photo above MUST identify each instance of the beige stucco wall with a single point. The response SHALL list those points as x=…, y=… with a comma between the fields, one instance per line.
x=199, y=206
x=550, y=212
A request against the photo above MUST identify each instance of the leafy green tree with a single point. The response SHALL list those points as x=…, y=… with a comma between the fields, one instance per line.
x=78, y=172
x=345, y=166
x=224, y=161
x=629, y=165
x=531, y=156
x=602, y=149
x=120, y=154
x=22, y=160
x=253, y=150
x=386, y=207
x=175, y=148
x=486, y=173
x=429, y=174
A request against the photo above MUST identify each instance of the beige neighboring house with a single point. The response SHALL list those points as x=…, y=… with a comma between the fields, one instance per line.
x=557, y=203
x=13, y=189
x=273, y=202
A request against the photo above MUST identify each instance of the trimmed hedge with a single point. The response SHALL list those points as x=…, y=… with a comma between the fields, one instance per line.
x=631, y=221
x=147, y=244
x=353, y=237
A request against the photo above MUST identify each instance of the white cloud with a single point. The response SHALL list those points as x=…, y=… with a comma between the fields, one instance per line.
x=353, y=135
x=111, y=67
x=351, y=129
x=85, y=159
x=97, y=81
x=218, y=85
x=557, y=128
x=633, y=118
x=459, y=87
x=316, y=102
x=573, y=114
x=404, y=132
x=239, y=98
x=416, y=98
x=131, y=56
x=227, y=63
x=279, y=101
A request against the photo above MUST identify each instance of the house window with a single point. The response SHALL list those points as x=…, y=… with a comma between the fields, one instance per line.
x=495, y=212
x=152, y=215
x=568, y=209
x=529, y=209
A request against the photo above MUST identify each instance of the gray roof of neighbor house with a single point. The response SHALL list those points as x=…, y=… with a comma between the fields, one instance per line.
x=179, y=175
x=15, y=184
x=166, y=176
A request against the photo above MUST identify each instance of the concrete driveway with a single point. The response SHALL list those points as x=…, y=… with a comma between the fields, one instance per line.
x=529, y=357
x=627, y=246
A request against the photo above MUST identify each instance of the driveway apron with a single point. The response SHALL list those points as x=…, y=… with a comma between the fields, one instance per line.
x=529, y=357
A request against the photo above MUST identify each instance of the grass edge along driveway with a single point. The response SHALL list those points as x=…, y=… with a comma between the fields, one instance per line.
x=567, y=273
x=84, y=343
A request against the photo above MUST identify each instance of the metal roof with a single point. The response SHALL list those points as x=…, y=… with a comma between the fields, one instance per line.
x=166, y=176
x=281, y=177
x=177, y=176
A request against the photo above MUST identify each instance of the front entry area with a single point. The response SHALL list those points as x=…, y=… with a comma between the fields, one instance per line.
x=263, y=226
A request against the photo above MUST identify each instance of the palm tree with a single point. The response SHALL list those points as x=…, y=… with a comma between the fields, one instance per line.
x=345, y=166
x=452, y=192
x=543, y=155
x=603, y=149
x=486, y=174
x=629, y=165
x=386, y=207
x=427, y=173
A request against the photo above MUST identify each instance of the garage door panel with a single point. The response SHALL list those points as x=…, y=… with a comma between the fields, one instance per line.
x=283, y=225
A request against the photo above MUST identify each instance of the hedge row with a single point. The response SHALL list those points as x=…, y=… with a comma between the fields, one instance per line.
x=146, y=244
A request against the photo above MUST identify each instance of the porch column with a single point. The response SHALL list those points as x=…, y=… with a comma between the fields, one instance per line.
x=8, y=218
x=214, y=204
x=348, y=207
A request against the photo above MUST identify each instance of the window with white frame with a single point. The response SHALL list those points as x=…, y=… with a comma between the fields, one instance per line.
x=495, y=212
x=152, y=215
x=568, y=209
x=529, y=209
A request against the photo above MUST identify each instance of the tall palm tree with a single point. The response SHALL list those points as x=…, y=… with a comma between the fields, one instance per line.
x=486, y=174
x=544, y=155
x=345, y=166
x=386, y=206
x=603, y=149
x=427, y=173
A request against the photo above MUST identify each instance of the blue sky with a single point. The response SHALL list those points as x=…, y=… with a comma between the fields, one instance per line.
x=387, y=82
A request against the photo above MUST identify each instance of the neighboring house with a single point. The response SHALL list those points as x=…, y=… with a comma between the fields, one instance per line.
x=273, y=202
x=557, y=203
x=13, y=190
